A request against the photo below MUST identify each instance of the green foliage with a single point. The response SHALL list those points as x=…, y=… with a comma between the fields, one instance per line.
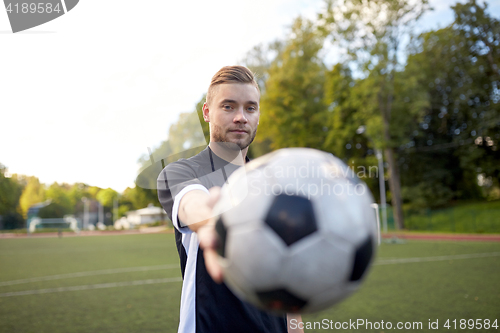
x=138, y=197
x=76, y=193
x=428, y=193
x=33, y=193
x=61, y=203
x=204, y=125
x=93, y=191
x=457, y=137
x=259, y=60
x=292, y=108
x=106, y=197
x=10, y=192
x=372, y=32
x=470, y=218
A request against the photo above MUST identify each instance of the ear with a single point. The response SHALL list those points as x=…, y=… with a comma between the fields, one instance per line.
x=206, y=114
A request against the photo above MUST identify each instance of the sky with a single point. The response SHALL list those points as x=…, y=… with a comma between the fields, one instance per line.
x=83, y=97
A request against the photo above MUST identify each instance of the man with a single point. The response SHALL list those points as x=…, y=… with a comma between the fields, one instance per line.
x=188, y=190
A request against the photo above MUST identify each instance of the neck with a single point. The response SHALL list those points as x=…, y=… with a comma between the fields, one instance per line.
x=227, y=153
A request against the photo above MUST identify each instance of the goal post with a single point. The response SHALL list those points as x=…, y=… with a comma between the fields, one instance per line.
x=377, y=215
x=69, y=222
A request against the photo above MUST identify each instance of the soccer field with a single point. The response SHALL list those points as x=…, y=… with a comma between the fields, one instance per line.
x=131, y=283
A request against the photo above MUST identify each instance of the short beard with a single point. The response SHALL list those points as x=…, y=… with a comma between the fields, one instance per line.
x=217, y=136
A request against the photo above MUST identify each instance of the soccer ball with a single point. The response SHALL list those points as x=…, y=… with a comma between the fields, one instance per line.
x=297, y=231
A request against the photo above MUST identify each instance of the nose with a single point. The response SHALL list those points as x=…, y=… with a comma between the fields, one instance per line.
x=239, y=116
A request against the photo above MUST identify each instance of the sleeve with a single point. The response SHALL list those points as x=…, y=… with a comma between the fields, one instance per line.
x=174, y=181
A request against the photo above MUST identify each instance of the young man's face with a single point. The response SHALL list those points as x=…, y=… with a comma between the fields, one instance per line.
x=233, y=114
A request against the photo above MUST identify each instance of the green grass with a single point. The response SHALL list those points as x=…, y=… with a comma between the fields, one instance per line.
x=417, y=292
x=481, y=217
x=465, y=288
x=147, y=308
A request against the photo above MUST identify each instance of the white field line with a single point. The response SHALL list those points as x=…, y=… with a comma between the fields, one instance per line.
x=439, y=258
x=91, y=286
x=89, y=273
x=178, y=279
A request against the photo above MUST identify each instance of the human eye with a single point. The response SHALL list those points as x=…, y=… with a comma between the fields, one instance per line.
x=252, y=108
x=226, y=107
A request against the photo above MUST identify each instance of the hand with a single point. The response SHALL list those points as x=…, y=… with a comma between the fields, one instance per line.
x=209, y=240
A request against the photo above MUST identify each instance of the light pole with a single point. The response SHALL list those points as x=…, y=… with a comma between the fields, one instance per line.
x=100, y=213
x=381, y=178
x=85, y=221
x=115, y=208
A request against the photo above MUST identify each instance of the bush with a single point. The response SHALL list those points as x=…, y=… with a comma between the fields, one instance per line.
x=12, y=220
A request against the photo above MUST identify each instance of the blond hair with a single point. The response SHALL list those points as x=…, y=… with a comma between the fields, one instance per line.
x=230, y=74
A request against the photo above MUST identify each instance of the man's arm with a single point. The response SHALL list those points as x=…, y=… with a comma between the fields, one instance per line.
x=195, y=211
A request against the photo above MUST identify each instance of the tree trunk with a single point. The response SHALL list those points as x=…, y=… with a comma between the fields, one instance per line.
x=394, y=180
x=395, y=186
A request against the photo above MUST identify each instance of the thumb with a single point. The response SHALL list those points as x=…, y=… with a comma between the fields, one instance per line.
x=214, y=196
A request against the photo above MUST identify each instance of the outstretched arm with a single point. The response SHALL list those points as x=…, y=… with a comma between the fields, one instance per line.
x=195, y=211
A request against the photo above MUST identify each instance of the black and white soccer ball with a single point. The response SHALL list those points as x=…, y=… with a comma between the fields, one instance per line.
x=297, y=231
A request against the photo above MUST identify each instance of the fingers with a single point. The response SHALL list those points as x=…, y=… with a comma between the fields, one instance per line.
x=209, y=240
x=212, y=264
x=207, y=236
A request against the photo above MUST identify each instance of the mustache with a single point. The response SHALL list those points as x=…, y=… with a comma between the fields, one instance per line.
x=239, y=129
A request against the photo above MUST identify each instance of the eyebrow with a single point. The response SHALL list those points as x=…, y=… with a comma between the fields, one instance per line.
x=235, y=102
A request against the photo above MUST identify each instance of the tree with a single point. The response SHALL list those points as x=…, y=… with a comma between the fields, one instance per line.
x=478, y=55
x=138, y=197
x=10, y=192
x=33, y=193
x=106, y=197
x=292, y=108
x=60, y=205
x=76, y=193
x=457, y=138
x=344, y=118
x=372, y=31
x=259, y=60
x=93, y=191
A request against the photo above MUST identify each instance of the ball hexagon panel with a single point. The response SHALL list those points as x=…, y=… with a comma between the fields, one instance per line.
x=329, y=297
x=362, y=258
x=316, y=264
x=341, y=216
x=258, y=252
x=221, y=231
x=240, y=285
x=254, y=206
x=291, y=217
